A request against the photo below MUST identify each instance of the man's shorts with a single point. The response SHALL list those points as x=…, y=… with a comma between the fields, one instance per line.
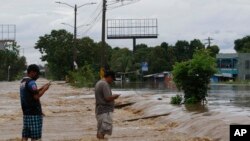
x=32, y=126
x=104, y=123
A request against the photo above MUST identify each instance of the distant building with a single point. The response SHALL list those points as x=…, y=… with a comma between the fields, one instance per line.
x=233, y=66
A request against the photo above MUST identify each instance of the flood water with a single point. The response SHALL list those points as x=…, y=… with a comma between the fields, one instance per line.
x=218, y=95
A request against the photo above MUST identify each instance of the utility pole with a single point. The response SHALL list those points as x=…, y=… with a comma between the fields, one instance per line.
x=209, y=41
x=103, y=44
x=103, y=54
x=75, y=28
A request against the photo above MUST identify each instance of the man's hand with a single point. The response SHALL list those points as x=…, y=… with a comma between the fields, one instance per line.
x=112, y=98
x=42, y=90
x=46, y=87
x=116, y=96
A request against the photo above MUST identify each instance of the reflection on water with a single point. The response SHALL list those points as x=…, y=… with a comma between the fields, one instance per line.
x=218, y=94
x=231, y=95
x=198, y=108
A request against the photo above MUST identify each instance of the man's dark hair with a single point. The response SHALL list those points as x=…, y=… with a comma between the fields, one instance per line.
x=34, y=68
x=109, y=73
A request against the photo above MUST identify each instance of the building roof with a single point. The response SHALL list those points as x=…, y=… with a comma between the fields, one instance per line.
x=227, y=55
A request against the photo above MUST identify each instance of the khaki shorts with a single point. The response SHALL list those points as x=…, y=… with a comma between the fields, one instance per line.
x=105, y=123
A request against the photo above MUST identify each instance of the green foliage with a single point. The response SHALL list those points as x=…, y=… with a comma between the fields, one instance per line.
x=181, y=50
x=191, y=100
x=121, y=60
x=56, y=49
x=214, y=50
x=193, y=76
x=242, y=45
x=176, y=100
x=83, y=77
x=157, y=60
x=10, y=57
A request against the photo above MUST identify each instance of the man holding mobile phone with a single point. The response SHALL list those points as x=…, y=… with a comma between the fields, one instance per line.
x=105, y=104
x=31, y=106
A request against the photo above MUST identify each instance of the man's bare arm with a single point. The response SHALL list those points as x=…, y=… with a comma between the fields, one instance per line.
x=112, y=98
x=41, y=91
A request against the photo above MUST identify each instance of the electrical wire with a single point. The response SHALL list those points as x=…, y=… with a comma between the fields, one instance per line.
x=129, y=2
x=93, y=22
x=110, y=6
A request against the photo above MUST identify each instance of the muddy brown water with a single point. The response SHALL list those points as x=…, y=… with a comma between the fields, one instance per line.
x=70, y=113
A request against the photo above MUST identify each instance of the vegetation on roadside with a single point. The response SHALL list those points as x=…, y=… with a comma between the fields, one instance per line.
x=12, y=65
x=176, y=100
x=242, y=45
x=82, y=77
x=193, y=76
x=57, y=50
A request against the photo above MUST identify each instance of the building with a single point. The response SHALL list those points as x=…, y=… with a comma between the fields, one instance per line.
x=233, y=66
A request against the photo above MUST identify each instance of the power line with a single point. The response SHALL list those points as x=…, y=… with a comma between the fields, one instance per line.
x=93, y=23
x=109, y=6
x=129, y=2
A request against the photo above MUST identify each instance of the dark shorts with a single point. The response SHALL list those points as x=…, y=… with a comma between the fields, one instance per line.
x=32, y=126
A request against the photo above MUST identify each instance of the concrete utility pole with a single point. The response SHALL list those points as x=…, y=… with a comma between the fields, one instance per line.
x=103, y=55
x=75, y=28
x=103, y=44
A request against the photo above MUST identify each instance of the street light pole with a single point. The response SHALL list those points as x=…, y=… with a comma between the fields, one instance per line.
x=8, y=73
x=75, y=34
x=75, y=28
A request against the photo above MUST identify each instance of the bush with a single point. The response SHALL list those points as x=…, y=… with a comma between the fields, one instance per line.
x=191, y=100
x=83, y=77
x=193, y=76
x=176, y=100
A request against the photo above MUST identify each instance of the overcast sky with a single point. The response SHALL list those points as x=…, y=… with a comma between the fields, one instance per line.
x=223, y=20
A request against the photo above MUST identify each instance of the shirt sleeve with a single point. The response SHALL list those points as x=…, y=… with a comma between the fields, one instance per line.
x=106, y=91
x=33, y=87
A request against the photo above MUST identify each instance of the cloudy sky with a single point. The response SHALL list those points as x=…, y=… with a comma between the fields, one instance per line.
x=223, y=20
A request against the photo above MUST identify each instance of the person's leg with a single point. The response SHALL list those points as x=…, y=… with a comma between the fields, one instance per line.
x=36, y=131
x=26, y=131
x=24, y=139
x=104, y=125
x=99, y=135
x=36, y=140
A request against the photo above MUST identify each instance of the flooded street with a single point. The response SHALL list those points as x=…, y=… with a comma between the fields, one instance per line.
x=70, y=114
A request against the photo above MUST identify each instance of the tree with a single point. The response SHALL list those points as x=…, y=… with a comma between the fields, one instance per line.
x=142, y=54
x=157, y=60
x=11, y=63
x=193, y=76
x=141, y=46
x=57, y=49
x=195, y=44
x=182, y=51
x=171, y=58
x=214, y=50
x=121, y=60
x=242, y=45
x=87, y=52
